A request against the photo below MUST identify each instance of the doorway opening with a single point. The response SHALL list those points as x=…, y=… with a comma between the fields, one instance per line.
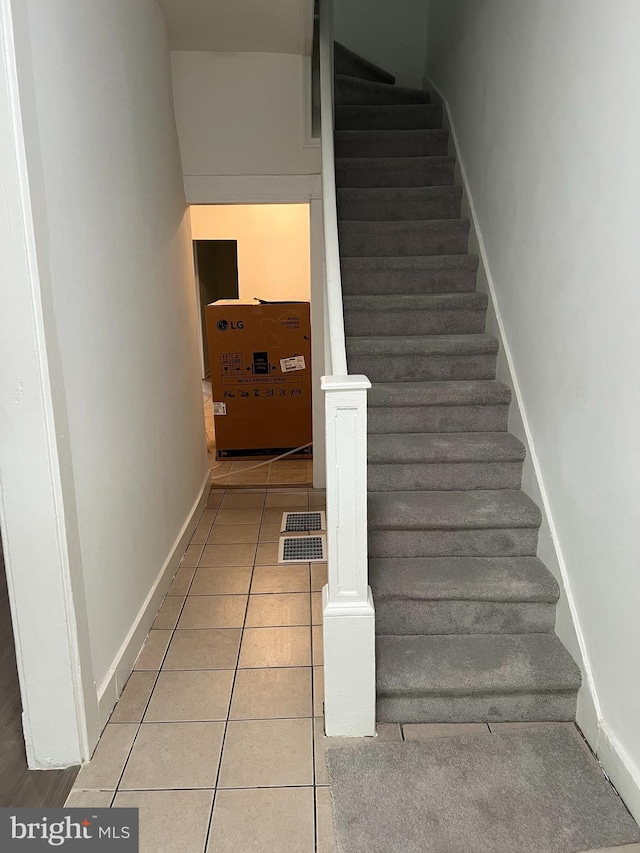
x=253, y=286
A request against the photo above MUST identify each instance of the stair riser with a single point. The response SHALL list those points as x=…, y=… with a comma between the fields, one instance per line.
x=351, y=65
x=434, y=143
x=444, y=476
x=402, y=617
x=438, y=419
x=423, y=116
x=437, y=207
x=437, y=175
x=373, y=323
x=347, y=92
x=506, y=542
x=362, y=240
x=494, y=708
x=390, y=281
x=416, y=368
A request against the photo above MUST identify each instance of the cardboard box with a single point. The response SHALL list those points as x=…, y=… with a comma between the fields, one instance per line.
x=260, y=358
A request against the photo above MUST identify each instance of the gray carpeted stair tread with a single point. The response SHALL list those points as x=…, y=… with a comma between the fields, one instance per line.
x=416, y=302
x=413, y=142
x=464, y=665
x=388, y=117
x=350, y=63
x=394, y=171
x=454, y=510
x=415, y=237
x=355, y=90
x=404, y=203
x=411, y=274
x=407, y=394
x=497, y=579
x=430, y=345
x=416, y=448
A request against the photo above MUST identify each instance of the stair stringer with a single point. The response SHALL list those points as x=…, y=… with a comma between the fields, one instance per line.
x=568, y=628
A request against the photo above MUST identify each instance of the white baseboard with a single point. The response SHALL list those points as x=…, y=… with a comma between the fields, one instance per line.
x=614, y=760
x=112, y=685
x=251, y=189
x=619, y=767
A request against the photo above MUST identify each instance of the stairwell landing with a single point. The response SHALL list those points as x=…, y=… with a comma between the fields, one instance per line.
x=465, y=611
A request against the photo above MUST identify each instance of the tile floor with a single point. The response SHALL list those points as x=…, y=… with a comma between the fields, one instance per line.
x=213, y=738
x=218, y=736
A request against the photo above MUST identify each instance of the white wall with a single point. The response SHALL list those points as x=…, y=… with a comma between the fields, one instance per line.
x=389, y=34
x=113, y=242
x=273, y=246
x=540, y=94
x=241, y=114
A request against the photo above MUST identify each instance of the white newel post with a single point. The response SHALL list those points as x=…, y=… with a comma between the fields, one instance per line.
x=348, y=613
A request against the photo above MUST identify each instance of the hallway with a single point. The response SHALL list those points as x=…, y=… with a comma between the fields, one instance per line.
x=220, y=708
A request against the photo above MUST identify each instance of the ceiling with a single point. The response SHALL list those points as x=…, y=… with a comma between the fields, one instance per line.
x=264, y=26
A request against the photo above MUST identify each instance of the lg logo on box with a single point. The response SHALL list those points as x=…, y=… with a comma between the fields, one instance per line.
x=223, y=325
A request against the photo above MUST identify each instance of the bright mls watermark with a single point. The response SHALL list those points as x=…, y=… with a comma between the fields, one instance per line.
x=104, y=830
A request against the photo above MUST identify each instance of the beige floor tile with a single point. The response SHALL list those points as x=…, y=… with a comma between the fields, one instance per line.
x=215, y=648
x=290, y=465
x=216, y=556
x=191, y=555
x=215, y=498
x=292, y=577
x=226, y=581
x=511, y=727
x=182, y=580
x=191, y=696
x=427, y=731
x=218, y=480
x=284, y=478
x=169, y=612
x=267, y=753
x=386, y=732
x=213, y=611
x=271, y=693
x=105, y=768
x=270, y=533
x=318, y=691
x=273, y=514
x=318, y=576
x=89, y=800
x=316, y=642
x=249, y=515
x=275, y=609
x=259, y=477
x=174, y=755
x=153, y=651
x=233, y=534
x=200, y=534
x=296, y=498
x=316, y=608
x=317, y=499
x=246, y=490
x=324, y=822
x=170, y=821
x=242, y=501
x=208, y=516
x=263, y=820
x=267, y=554
x=134, y=698
x=264, y=647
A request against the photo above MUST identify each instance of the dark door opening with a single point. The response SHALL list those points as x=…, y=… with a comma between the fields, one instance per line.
x=216, y=264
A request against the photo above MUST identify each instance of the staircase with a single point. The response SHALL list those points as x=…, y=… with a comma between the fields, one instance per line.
x=465, y=611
